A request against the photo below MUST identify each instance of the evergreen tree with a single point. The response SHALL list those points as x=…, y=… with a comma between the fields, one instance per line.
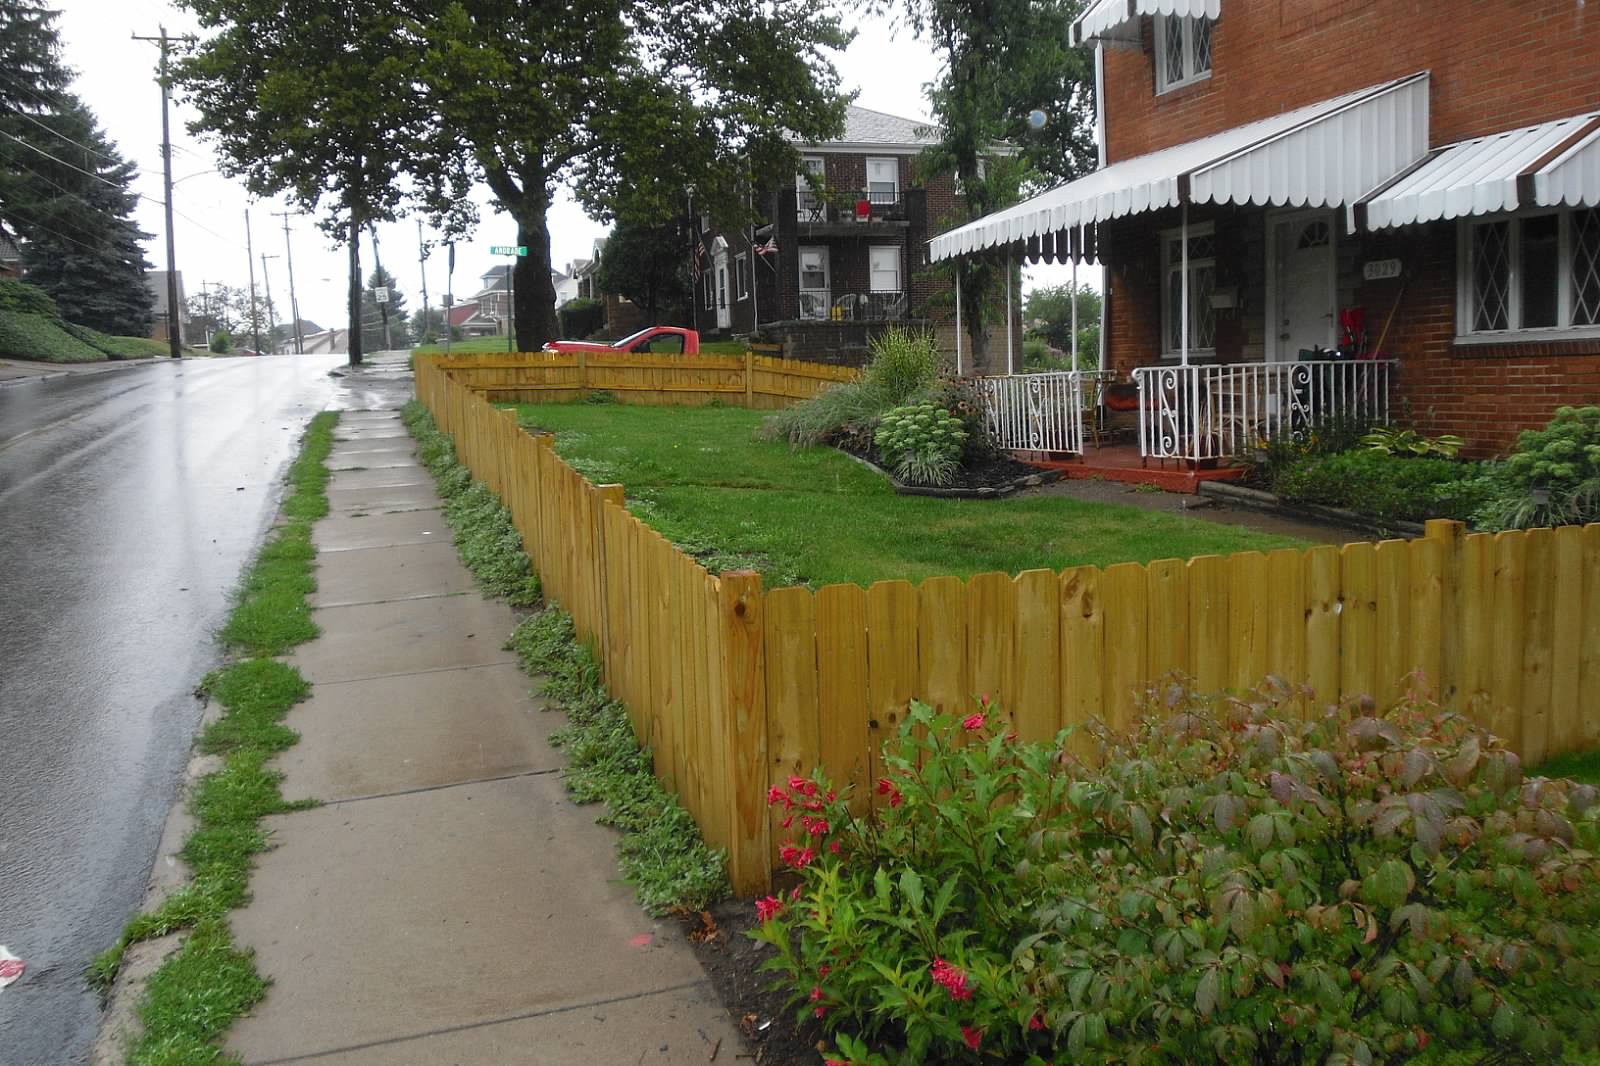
x=372, y=334
x=645, y=263
x=65, y=191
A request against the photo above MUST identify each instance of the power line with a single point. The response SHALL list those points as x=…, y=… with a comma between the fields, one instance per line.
x=63, y=162
x=62, y=136
x=54, y=233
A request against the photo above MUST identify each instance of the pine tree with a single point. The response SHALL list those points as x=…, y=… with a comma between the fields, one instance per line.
x=372, y=335
x=65, y=191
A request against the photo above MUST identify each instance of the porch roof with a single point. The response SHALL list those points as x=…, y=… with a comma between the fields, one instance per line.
x=1547, y=165
x=1114, y=23
x=1325, y=154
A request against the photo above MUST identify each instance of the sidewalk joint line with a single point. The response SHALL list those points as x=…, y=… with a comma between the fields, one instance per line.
x=469, y=1026
x=439, y=788
x=393, y=599
x=414, y=673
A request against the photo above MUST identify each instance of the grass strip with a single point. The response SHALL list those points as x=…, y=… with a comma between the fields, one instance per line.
x=194, y=995
x=662, y=854
x=484, y=532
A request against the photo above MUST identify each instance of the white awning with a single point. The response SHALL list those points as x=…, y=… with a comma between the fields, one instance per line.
x=1547, y=165
x=1324, y=155
x=1114, y=23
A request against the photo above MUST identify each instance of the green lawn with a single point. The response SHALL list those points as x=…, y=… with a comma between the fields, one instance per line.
x=815, y=516
x=1578, y=765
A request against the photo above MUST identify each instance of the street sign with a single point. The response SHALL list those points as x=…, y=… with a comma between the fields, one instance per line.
x=381, y=294
x=508, y=249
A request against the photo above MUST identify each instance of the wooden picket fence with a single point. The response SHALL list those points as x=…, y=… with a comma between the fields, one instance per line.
x=734, y=687
x=747, y=380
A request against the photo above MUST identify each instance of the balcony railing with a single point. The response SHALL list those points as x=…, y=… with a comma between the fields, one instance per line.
x=834, y=205
x=881, y=306
x=1220, y=411
x=1040, y=412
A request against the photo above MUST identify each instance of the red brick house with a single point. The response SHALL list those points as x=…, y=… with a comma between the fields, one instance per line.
x=1308, y=207
x=841, y=248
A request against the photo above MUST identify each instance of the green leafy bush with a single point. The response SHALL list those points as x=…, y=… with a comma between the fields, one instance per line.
x=221, y=342
x=923, y=442
x=26, y=299
x=905, y=366
x=1392, y=440
x=1387, y=487
x=1233, y=883
x=1552, y=478
x=1270, y=456
x=580, y=318
x=119, y=347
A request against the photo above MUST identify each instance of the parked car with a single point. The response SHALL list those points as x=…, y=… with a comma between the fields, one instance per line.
x=654, y=340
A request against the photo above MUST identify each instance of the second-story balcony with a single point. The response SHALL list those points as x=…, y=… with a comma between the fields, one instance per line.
x=835, y=212
x=822, y=305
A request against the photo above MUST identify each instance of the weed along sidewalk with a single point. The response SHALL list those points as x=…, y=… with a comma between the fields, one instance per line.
x=441, y=899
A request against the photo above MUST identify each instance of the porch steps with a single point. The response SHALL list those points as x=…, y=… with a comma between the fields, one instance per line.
x=1123, y=463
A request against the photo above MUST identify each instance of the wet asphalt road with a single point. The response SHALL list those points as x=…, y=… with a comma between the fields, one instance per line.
x=129, y=503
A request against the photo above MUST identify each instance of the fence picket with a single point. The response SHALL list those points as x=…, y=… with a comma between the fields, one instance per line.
x=1390, y=619
x=794, y=741
x=1509, y=627
x=943, y=682
x=1357, y=621
x=745, y=730
x=1083, y=642
x=1567, y=578
x=1247, y=619
x=1538, y=652
x=891, y=662
x=1589, y=651
x=842, y=691
x=1037, y=665
x=1167, y=619
x=1208, y=621
x=991, y=640
x=1324, y=647
x=1125, y=611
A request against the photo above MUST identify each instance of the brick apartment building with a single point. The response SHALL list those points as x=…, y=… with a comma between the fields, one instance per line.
x=1327, y=181
x=839, y=251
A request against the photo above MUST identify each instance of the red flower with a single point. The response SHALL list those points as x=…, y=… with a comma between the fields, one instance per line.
x=824, y=970
x=798, y=784
x=775, y=796
x=799, y=858
x=816, y=993
x=820, y=1011
x=787, y=821
x=833, y=846
x=818, y=827
x=972, y=723
x=972, y=1036
x=795, y=894
x=1035, y=1023
x=769, y=908
x=953, y=980
x=886, y=788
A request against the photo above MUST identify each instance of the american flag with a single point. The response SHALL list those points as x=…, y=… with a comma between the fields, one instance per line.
x=769, y=248
x=699, y=259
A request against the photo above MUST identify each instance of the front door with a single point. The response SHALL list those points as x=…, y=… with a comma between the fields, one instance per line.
x=724, y=312
x=1303, y=311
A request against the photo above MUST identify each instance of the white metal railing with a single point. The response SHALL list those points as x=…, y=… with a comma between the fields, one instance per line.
x=1218, y=411
x=1039, y=412
x=816, y=303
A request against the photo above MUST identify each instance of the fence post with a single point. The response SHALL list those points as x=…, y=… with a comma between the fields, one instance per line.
x=583, y=375
x=744, y=727
x=749, y=380
x=603, y=553
x=1447, y=532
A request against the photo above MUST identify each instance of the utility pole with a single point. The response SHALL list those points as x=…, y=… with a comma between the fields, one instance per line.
x=422, y=269
x=266, y=279
x=174, y=318
x=511, y=306
x=449, y=291
x=294, y=304
x=383, y=305
x=250, y=258
x=205, y=302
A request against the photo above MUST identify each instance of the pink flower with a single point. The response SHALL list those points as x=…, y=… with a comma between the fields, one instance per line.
x=1035, y=1023
x=818, y=827
x=787, y=821
x=983, y=701
x=972, y=723
x=795, y=894
x=816, y=993
x=824, y=970
x=820, y=1011
x=799, y=858
x=775, y=796
x=833, y=846
x=798, y=784
x=953, y=980
x=769, y=908
x=886, y=788
x=972, y=1036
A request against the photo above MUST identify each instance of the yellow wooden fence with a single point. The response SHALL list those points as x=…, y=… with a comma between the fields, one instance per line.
x=734, y=687
x=746, y=380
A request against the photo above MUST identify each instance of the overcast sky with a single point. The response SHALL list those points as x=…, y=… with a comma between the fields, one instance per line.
x=116, y=78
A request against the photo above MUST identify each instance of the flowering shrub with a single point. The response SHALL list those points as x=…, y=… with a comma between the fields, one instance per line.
x=922, y=442
x=1231, y=884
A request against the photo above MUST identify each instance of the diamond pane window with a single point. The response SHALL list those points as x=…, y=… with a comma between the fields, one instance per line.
x=1202, y=283
x=1585, y=240
x=1172, y=52
x=1491, y=276
x=1183, y=50
x=1200, y=46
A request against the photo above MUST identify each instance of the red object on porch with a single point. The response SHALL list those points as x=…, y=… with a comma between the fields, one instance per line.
x=1123, y=463
x=863, y=210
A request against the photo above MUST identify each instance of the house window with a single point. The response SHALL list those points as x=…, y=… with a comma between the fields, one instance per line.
x=1202, y=282
x=1183, y=50
x=884, y=268
x=1530, y=272
x=741, y=272
x=816, y=296
x=711, y=291
x=808, y=198
x=883, y=180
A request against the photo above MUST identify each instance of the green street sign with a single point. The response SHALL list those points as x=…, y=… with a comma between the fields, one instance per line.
x=508, y=249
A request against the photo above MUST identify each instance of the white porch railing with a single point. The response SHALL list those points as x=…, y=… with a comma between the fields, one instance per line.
x=1222, y=410
x=1039, y=412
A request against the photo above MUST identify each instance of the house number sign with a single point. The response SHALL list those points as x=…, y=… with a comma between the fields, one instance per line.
x=1380, y=269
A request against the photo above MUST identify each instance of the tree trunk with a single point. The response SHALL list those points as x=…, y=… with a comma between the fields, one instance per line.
x=355, y=289
x=534, y=315
x=975, y=284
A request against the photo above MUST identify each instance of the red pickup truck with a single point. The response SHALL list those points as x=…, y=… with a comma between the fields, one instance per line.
x=656, y=340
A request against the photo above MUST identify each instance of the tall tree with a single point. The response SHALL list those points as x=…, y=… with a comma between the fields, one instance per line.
x=1003, y=62
x=628, y=102
x=316, y=100
x=373, y=335
x=646, y=264
x=65, y=191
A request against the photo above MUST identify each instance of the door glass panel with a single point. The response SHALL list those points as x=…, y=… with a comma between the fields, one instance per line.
x=1540, y=264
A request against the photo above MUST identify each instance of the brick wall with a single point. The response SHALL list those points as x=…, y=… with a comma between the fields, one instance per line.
x=1495, y=65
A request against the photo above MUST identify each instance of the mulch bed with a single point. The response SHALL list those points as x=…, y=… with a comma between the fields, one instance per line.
x=732, y=960
x=998, y=472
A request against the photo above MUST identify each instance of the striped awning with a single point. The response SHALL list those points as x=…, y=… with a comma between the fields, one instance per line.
x=1115, y=23
x=1325, y=155
x=1548, y=165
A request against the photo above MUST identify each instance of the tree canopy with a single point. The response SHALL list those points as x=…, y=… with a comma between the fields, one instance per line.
x=648, y=264
x=66, y=192
x=373, y=337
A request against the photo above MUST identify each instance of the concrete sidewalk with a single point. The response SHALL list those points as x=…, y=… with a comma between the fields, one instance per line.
x=447, y=903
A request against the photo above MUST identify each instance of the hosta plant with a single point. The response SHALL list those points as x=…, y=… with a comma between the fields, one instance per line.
x=922, y=442
x=1233, y=883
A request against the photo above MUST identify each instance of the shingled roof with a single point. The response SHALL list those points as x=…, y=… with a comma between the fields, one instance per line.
x=863, y=126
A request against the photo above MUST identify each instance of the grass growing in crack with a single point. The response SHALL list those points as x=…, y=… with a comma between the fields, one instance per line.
x=662, y=854
x=195, y=994
x=488, y=541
